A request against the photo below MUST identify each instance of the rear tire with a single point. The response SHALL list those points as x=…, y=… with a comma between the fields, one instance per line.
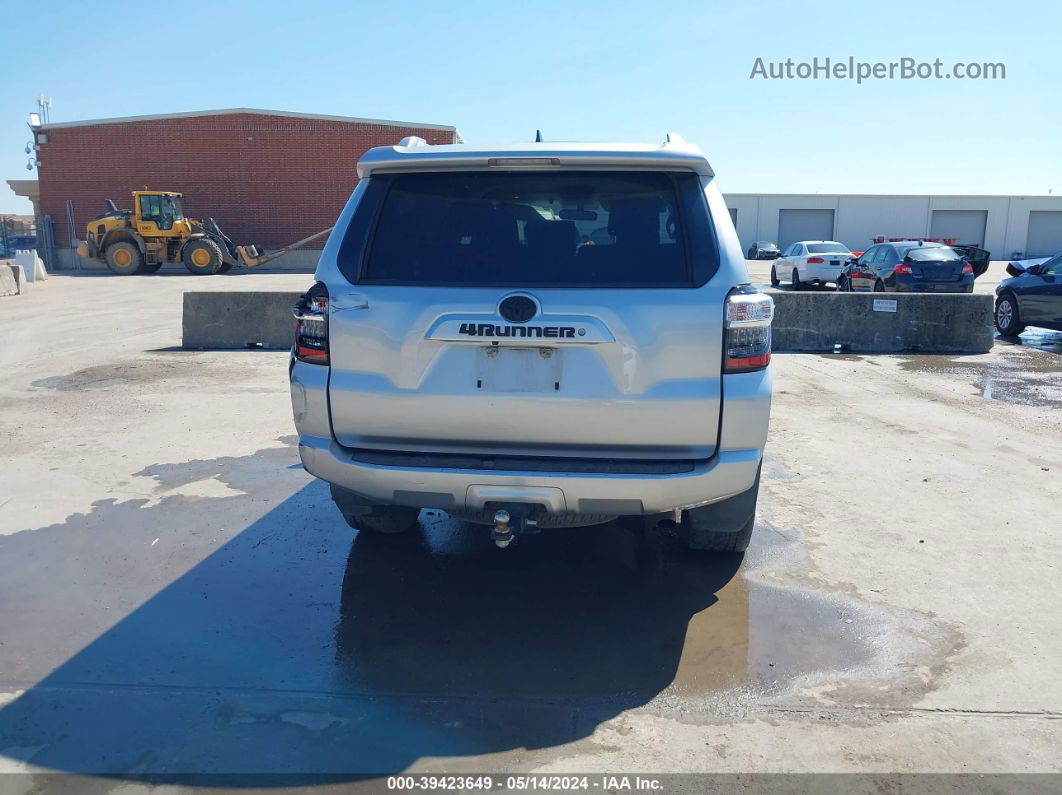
x=123, y=258
x=1008, y=322
x=843, y=286
x=879, y=286
x=202, y=257
x=797, y=284
x=389, y=519
x=775, y=281
x=723, y=526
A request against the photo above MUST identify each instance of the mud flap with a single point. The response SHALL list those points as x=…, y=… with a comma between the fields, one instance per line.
x=729, y=516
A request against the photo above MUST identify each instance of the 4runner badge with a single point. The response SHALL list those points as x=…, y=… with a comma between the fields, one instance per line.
x=538, y=332
x=558, y=329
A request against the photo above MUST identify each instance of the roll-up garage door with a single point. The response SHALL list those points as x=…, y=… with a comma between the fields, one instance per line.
x=1045, y=233
x=794, y=225
x=966, y=226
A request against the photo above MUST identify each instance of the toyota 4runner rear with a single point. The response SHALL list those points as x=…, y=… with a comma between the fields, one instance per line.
x=531, y=336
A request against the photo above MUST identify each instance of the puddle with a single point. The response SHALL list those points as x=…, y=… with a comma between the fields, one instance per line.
x=258, y=632
x=140, y=371
x=175, y=365
x=1023, y=376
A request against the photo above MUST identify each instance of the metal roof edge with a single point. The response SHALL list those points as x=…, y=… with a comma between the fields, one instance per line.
x=253, y=111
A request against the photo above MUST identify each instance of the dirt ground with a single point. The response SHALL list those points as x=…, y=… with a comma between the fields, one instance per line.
x=179, y=596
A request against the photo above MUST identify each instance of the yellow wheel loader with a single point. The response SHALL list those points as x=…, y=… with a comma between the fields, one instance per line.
x=156, y=232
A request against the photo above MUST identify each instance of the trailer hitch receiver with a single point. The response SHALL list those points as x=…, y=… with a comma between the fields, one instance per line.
x=506, y=527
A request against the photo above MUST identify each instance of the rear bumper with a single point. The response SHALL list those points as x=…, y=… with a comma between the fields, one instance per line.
x=822, y=273
x=746, y=413
x=728, y=473
x=908, y=285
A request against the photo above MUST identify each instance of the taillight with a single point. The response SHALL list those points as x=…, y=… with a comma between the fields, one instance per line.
x=311, y=326
x=815, y=260
x=902, y=269
x=747, y=340
x=967, y=269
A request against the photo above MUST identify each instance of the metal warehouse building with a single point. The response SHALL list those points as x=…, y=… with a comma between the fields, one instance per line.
x=267, y=177
x=1008, y=226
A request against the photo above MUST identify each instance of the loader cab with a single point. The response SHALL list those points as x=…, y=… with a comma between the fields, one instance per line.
x=159, y=214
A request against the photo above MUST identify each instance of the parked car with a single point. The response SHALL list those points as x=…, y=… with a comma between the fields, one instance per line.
x=1031, y=297
x=17, y=243
x=811, y=261
x=763, y=249
x=909, y=266
x=466, y=348
x=22, y=242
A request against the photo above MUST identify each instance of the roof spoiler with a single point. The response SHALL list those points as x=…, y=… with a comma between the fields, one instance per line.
x=415, y=140
x=413, y=152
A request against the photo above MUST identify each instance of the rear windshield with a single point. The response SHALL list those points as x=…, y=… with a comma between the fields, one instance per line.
x=931, y=254
x=827, y=248
x=565, y=228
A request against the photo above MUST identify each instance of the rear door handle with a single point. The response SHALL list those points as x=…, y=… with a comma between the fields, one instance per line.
x=347, y=301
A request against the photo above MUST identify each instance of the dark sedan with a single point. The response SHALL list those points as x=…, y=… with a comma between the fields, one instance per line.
x=1031, y=297
x=763, y=249
x=908, y=266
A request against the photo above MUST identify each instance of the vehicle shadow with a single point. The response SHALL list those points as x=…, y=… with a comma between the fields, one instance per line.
x=292, y=651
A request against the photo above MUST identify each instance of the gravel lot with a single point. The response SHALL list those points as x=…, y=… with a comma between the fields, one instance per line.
x=179, y=596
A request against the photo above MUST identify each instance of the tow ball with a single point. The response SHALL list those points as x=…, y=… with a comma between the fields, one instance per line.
x=507, y=527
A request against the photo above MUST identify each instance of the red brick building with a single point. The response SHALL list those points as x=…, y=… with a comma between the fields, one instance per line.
x=267, y=177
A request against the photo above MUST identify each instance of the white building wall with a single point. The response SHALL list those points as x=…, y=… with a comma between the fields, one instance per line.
x=860, y=218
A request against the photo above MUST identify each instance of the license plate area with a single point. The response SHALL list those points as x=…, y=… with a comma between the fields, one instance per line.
x=523, y=369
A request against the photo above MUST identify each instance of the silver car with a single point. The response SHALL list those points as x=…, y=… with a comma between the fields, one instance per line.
x=532, y=336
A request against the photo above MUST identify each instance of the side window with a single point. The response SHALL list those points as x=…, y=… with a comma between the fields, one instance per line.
x=881, y=256
x=1054, y=266
x=868, y=255
x=150, y=208
x=166, y=212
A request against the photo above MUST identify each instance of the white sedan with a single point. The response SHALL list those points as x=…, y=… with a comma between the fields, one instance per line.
x=810, y=262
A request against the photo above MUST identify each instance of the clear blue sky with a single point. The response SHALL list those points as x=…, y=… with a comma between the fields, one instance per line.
x=581, y=71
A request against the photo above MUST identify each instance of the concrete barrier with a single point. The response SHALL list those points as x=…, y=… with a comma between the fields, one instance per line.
x=804, y=321
x=239, y=319
x=882, y=322
x=10, y=284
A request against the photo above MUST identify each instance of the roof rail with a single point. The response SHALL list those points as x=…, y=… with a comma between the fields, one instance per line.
x=674, y=138
x=413, y=140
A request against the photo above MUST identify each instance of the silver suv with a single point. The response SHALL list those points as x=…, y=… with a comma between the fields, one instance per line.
x=539, y=335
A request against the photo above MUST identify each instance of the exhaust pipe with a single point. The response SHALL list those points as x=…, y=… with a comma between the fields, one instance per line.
x=670, y=522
